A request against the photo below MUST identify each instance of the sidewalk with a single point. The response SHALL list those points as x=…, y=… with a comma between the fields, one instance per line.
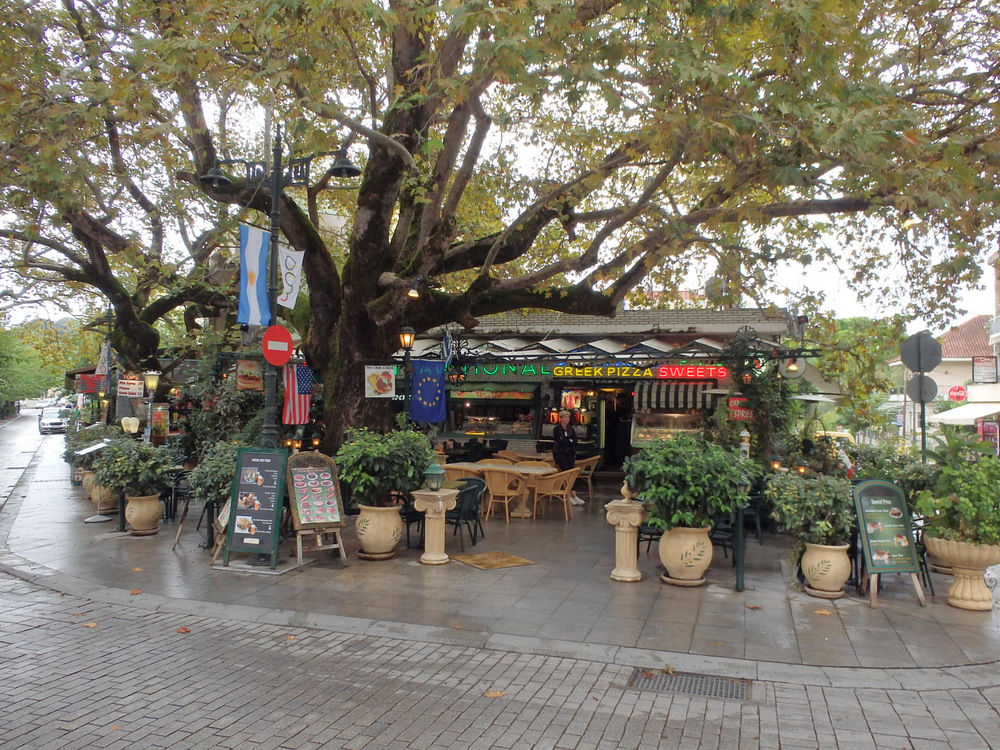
x=151, y=648
x=562, y=605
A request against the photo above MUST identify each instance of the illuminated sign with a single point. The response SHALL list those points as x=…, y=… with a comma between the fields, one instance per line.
x=623, y=370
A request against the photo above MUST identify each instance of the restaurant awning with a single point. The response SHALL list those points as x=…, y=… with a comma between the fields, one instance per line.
x=657, y=396
x=967, y=414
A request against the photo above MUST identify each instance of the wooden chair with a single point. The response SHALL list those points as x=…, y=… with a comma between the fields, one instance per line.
x=508, y=456
x=495, y=462
x=587, y=467
x=502, y=486
x=556, y=487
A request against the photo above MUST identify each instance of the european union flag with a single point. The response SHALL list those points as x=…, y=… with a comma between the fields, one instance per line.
x=427, y=402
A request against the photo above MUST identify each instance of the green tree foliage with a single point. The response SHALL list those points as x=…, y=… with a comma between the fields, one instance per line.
x=536, y=153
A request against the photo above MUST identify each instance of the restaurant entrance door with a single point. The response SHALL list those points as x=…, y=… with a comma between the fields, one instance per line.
x=616, y=408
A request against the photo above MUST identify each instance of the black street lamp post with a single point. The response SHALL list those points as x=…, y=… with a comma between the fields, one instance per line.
x=297, y=173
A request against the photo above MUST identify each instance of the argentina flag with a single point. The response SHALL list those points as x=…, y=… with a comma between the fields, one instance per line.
x=254, y=309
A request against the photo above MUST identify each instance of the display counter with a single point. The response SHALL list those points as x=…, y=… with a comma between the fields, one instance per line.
x=646, y=427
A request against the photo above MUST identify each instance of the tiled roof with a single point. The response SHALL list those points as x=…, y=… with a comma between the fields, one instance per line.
x=969, y=339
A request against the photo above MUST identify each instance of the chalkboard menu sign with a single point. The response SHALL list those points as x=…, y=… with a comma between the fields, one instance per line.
x=256, y=502
x=884, y=527
x=314, y=491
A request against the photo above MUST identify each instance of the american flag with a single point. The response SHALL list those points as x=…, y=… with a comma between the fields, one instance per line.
x=298, y=381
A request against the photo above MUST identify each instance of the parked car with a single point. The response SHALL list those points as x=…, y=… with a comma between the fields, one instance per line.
x=53, y=419
x=44, y=403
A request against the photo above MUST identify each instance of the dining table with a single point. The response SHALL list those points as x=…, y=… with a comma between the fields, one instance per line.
x=528, y=472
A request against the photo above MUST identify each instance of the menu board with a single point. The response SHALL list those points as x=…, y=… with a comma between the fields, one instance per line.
x=884, y=527
x=256, y=502
x=314, y=491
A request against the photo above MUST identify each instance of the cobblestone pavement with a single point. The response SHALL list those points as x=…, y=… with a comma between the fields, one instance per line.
x=97, y=667
x=79, y=674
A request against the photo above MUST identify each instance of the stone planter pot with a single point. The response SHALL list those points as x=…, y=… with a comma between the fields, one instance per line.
x=89, y=480
x=968, y=563
x=143, y=514
x=686, y=553
x=826, y=568
x=104, y=498
x=378, y=530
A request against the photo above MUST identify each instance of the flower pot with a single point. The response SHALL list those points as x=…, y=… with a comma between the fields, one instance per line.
x=88, y=481
x=826, y=568
x=104, y=498
x=686, y=553
x=968, y=563
x=143, y=514
x=378, y=530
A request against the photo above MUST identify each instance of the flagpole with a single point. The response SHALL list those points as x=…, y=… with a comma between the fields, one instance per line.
x=269, y=433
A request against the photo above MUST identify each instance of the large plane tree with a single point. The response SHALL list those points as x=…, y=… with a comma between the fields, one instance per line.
x=519, y=154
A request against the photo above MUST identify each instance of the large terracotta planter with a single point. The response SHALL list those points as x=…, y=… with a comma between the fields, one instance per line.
x=686, y=554
x=826, y=568
x=378, y=530
x=143, y=514
x=968, y=564
x=89, y=480
x=104, y=498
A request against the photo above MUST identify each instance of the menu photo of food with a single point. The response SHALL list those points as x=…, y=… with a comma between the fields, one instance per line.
x=896, y=513
x=248, y=500
x=245, y=525
x=881, y=556
x=380, y=381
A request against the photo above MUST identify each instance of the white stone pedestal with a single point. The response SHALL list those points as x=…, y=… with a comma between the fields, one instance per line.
x=434, y=504
x=626, y=516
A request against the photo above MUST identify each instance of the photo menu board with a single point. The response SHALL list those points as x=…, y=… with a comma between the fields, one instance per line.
x=256, y=502
x=314, y=491
x=885, y=528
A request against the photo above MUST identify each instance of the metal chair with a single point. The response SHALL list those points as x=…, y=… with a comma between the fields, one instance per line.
x=648, y=534
x=467, y=510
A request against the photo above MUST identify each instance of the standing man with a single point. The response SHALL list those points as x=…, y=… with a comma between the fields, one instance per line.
x=564, y=450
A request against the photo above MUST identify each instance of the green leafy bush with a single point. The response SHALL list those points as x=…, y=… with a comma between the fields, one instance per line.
x=212, y=479
x=687, y=481
x=376, y=465
x=817, y=510
x=135, y=468
x=963, y=506
x=79, y=439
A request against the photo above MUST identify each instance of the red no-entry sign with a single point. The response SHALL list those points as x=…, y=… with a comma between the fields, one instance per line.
x=277, y=345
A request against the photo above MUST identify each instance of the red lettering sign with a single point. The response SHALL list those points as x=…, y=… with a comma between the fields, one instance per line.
x=692, y=372
x=738, y=409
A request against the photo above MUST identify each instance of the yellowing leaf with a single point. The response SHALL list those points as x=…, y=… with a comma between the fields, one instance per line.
x=826, y=612
x=183, y=629
x=290, y=638
x=753, y=606
x=90, y=625
x=116, y=728
x=135, y=592
x=667, y=669
x=494, y=693
x=138, y=570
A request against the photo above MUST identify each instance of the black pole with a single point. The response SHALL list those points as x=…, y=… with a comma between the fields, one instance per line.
x=269, y=433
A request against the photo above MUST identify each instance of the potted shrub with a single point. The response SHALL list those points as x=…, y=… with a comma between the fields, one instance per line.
x=211, y=481
x=76, y=440
x=140, y=471
x=686, y=483
x=378, y=468
x=819, y=514
x=962, y=528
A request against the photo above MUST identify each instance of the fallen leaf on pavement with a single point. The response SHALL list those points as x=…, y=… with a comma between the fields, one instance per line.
x=116, y=728
x=826, y=612
x=135, y=592
x=754, y=606
x=494, y=693
x=290, y=638
x=667, y=669
x=183, y=629
x=138, y=570
x=90, y=625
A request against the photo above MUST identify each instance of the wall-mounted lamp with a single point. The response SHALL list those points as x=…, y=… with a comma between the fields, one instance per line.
x=793, y=365
x=747, y=378
x=414, y=291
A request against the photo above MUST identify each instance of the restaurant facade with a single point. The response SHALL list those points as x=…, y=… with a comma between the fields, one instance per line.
x=625, y=380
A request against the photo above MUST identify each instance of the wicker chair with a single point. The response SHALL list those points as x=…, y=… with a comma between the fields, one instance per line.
x=587, y=467
x=556, y=487
x=503, y=487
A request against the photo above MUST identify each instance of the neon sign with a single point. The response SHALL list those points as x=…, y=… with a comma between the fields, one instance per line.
x=623, y=370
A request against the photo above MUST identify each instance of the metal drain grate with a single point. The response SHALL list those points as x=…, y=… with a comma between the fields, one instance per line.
x=690, y=683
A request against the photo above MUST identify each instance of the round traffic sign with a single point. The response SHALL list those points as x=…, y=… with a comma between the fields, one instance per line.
x=277, y=345
x=921, y=389
x=957, y=393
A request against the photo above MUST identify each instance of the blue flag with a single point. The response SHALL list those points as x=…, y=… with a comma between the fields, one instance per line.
x=255, y=308
x=427, y=402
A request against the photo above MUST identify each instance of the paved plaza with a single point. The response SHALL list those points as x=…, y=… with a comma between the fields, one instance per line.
x=108, y=640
